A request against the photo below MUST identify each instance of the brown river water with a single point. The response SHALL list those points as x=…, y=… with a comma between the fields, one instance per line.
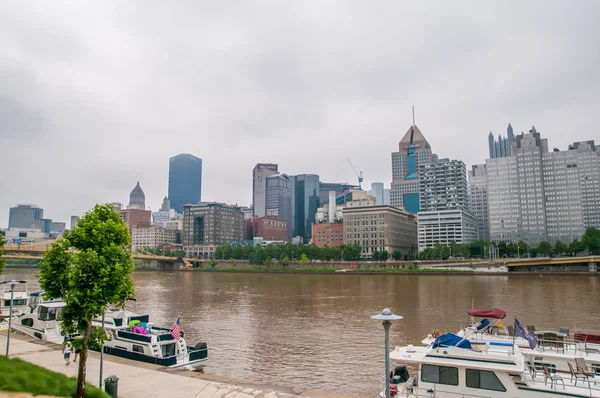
x=315, y=331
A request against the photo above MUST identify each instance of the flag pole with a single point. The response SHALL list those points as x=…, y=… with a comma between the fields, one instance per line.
x=513, y=345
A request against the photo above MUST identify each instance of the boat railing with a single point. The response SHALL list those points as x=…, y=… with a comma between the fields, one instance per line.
x=564, y=345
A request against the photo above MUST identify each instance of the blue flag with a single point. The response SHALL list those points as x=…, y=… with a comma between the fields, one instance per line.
x=522, y=331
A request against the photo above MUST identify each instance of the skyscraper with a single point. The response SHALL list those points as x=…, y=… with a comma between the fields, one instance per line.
x=503, y=146
x=443, y=216
x=536, y=195
x=305, y=202
x=259, y=186
x=413, y=151
x=185, y=181
x=137, y=198
x=279, y=200
x=478, y=199
x=23, y=215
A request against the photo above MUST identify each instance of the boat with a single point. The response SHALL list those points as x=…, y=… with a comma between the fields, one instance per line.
x=451, y=367
x=132, y=336
x=20, y=302
x=553, y=349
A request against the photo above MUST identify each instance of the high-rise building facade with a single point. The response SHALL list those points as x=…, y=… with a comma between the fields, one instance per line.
x=444, y=215
x=212, y=224
x=137, y=198
x=380, y=193
x=339, y=189
x=152, y=237
x=185, y=181
x=379, y=228
x=278, y=200
x=23, y=215
x=503, y=146
x=478, y=199
x=413, y=151
x=305, y=202
x=74, y=221
x=536, y=195
x=269, y=228
x=259, y=186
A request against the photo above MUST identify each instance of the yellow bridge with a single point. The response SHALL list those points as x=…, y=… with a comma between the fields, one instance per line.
x=564, y=264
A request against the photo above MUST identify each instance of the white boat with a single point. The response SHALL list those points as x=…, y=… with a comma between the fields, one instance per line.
x=491, y=371
x=20, y=303
x=132, y=335
x=554, y=349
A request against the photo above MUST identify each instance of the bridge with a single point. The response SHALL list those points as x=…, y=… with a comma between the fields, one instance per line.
x=556, y=264
x=36, y=251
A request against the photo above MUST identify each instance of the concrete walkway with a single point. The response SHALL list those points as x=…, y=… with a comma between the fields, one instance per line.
x=138, y=379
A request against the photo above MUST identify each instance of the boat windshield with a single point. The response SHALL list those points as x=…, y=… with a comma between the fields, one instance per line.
x=49, y=313
x=168, y=350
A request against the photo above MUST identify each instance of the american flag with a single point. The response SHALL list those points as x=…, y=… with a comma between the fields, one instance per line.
x=175, y=331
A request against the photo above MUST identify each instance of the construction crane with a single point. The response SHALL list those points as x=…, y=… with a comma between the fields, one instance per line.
x=360, y=177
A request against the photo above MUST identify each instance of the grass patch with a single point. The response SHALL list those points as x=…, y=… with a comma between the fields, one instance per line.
x=21, y=376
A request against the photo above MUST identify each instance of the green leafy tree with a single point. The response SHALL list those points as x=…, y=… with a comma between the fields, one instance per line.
x=268, y=261
x=285, y=261
x=304, y=259
x=384, y=255
x=232, y=262
x=397, y=255
x=89, y=278
x=544, y=248
x=213, y=263
x=218, y=254
x=2, y=261
x=559, y=248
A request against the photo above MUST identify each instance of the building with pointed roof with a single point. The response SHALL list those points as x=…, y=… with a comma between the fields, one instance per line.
x=137, y=198
x=413, y=151
x=502, y=147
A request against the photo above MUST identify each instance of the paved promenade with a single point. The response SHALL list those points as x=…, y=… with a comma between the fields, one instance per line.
x=138, y=379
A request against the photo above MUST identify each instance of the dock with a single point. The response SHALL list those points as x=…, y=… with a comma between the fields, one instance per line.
x=137, y=379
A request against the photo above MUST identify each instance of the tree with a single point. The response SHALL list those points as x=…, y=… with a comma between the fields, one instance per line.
x=2, y=261
x=397, y=255
x=285, y=262
x=268, y=261
x=89, y=278
x=559, y=248
x=384, y=255
x=304, y=259
x=544, y=248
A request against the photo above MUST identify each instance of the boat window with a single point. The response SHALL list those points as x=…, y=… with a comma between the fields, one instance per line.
x=167, y=350
x=439, y=374
x=27, y=322
x=138, y=348
x=596, y=368
x=47, y=314
x=484, y=379
x=15, y=302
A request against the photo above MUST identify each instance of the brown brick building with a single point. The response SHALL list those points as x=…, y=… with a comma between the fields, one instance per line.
x=330, y=234
x=136, y=218
x=270, y=228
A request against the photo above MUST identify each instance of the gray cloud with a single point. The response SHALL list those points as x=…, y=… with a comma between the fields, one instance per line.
x=96, y=97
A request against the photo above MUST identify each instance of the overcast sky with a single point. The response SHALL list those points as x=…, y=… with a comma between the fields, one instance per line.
x=95, y=96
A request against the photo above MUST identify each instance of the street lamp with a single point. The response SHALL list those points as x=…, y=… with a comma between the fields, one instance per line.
x=387, y=317
x=12, y=285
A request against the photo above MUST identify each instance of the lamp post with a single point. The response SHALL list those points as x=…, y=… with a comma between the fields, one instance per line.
x=102, y=352
x=12, y=285
x=387, y=317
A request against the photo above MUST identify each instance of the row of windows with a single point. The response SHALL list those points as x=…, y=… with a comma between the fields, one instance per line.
x=480, y=379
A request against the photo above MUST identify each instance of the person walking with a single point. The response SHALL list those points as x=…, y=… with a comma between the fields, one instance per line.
x=66, y=350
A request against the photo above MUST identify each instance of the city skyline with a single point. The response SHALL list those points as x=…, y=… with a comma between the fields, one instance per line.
x=86, y=118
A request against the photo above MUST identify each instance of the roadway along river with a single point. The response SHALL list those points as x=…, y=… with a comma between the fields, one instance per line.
x=315, y=331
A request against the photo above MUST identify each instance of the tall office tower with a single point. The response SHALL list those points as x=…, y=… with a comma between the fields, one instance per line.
x=478, y=200
x=516, y=204
x=74, y=220
x=213, y=224
x=340, y=189
x=259, y=186
x=279, y=200
x=502, y=147
x=413, y=151
x=377, y=191
x=443, y=216
x=137, y=199
x=305, y=202
x=23, y=215
x=185, y=181
x=166, y=205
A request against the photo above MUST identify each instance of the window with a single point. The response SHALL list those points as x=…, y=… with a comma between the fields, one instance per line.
x=439, y=374
x=167, y=350
x=138, y=348
x=27, y=322
x=484, y=379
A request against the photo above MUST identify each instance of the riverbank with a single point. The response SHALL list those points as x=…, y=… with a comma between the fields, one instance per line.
x=137, y=379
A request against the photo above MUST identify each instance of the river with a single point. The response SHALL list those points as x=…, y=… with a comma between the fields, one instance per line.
x=315, y=331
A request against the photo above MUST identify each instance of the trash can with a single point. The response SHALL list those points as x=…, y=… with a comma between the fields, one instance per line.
x=111, y=384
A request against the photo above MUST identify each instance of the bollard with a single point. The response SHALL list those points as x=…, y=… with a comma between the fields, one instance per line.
x=111, y=384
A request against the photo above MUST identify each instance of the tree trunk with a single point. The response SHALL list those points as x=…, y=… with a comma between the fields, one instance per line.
x=82, y=361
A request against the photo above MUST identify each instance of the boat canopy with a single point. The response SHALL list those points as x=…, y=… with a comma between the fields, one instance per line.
x=451, y=340
x=493, y=313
